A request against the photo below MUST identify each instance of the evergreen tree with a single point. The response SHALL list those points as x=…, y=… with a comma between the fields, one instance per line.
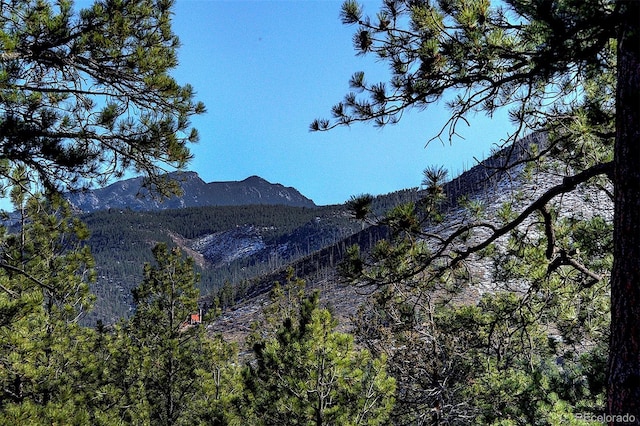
x=567, y=68
x=306, y=373
x=178, y=366
x=45, y=359
x=86, y=95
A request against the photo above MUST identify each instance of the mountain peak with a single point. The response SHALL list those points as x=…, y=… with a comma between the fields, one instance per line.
x=252, y=190
x=255, y=178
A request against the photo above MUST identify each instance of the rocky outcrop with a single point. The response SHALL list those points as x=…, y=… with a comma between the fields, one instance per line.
x=230, y=245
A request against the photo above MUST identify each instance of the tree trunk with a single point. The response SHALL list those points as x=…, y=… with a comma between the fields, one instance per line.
x=624, y=350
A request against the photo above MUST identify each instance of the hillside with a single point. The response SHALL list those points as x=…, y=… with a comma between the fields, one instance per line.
x=501, y=178
x=266, y=228
x=242, y=250
x=229, y=244
x=247, y=247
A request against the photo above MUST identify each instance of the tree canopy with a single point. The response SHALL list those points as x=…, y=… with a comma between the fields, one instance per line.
x=530, y=56
x=566, y=68
x=86, y=95
x=307, y=373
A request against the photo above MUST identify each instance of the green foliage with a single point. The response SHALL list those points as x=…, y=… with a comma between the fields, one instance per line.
x=360, y=206
x=565, y=69
x=480, y=364
x=45, y=271
x=167, y=295
x=87, y=94
x=184, y=375
x=153, y=370
x=485, y=53
x=305, y=372
x=529, y=351
x=285, y=302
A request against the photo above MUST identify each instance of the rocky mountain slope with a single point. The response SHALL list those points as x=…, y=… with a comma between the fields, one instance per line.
x=242, y=250
x=130, y=194
x=499, y=180
x=231, y=245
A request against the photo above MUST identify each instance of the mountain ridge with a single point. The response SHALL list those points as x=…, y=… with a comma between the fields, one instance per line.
x=130, y=194
x=500, y=179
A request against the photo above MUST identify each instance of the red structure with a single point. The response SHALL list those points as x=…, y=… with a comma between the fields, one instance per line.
x=194, y=319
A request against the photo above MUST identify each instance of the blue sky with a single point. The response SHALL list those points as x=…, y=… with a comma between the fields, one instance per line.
x=266, y=69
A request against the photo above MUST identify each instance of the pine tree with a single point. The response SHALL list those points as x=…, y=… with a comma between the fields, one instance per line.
x=305, y=372
x=87, y=94
x=179, y=368
x=563, y=67
x=45, y=359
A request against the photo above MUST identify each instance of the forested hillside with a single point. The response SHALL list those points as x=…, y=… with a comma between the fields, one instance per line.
x=230, y=244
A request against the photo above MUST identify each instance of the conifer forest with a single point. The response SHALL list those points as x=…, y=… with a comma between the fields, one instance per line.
x=508, y=295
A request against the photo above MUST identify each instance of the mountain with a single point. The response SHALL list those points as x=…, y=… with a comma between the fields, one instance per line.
x=230, y=244
x=501, y=180
x=129, y=194
x=242, y=250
